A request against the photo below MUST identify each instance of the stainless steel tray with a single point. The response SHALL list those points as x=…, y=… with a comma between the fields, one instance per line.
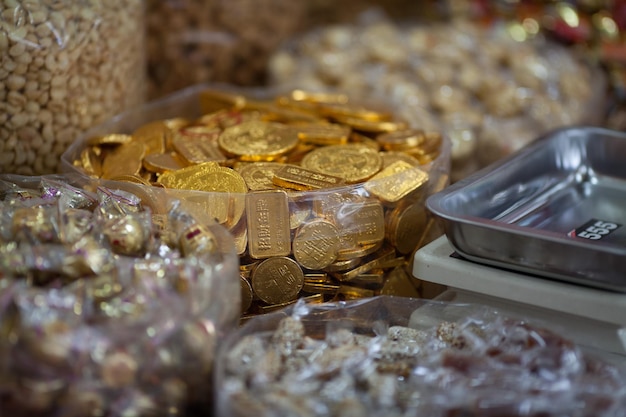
x=556, y=209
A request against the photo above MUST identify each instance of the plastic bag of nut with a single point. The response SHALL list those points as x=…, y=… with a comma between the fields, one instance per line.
x=490, y=90
x=107, y=308
x=390, y=356
x=65, y=66
x=323, y=194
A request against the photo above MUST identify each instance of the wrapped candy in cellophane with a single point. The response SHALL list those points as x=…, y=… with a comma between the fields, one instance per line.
x=111, y=300
x=397, y=356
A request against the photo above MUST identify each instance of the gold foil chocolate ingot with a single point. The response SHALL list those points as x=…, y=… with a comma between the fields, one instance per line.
x=110, y=139
x=277, y=280
x=389, y=157
x=396, y=182
x=197, y=150
x=401, y=140
x=319, y=97
x=153, y=135
x=315, y=244
x=339, y=110
x=384, y=255
x=124, y=160
x=302, y=179
x=91, y=162
x=267, y=217
x=372, y=280
x=258, y=141
x=371, y=126
x=360, y=224
x=259, y=175
x=320, y=288
x=353, y=162
x=342, y=265
x=323, y=134
x=359, y=251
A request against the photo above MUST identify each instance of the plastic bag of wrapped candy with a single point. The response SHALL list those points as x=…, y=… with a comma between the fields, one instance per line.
x=390, y=356
x=106, y=308
x=489, y=89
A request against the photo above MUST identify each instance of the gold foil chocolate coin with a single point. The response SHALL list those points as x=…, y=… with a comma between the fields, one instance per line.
x=315, y=244
x=154, y=135
x=258, y=141
x=353, y=162
x=277, y=280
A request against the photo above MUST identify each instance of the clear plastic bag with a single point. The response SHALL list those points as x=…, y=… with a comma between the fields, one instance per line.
x=65, y=66
x=350, y=239
x=489, y=91
x=230, y=41
x=107, y=308
x=390, y=356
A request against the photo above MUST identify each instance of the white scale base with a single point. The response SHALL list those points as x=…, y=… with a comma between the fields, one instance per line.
x=592, y=318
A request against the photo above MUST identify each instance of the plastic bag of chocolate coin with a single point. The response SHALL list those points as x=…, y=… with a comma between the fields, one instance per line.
x=323, y=193
x=65, y=66
x=115, y=309
x=390, y=356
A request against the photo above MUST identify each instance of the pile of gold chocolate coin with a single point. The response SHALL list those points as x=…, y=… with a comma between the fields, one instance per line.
x=323, y=196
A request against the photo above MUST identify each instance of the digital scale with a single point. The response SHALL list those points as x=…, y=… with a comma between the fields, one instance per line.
x=592, y=318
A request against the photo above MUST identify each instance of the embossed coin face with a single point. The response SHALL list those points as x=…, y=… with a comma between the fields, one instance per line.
x=258, y=141
x=316, y=244
x=277, y=280
x=353, y=162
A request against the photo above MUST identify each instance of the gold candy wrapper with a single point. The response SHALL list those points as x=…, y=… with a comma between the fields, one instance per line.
x=107, y=307
x=306, y=182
